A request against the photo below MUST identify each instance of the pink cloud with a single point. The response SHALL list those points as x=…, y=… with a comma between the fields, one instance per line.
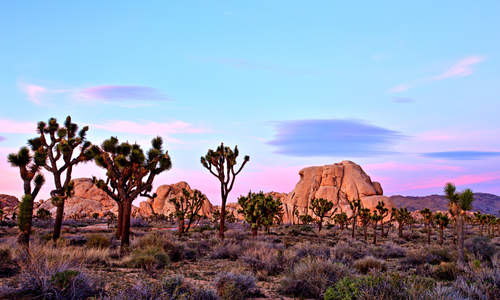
x=395, y=166
x=461, y=69
x=399, y=88
x=34, y=92
x=121, y=92
x=10, y=126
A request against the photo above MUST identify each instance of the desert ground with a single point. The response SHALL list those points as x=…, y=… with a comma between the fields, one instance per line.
x=289, y=262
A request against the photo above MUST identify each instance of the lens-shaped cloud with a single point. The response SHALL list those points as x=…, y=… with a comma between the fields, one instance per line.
x=462, y=155
x=333, y=137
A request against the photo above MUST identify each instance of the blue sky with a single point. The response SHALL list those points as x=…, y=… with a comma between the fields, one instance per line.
x=409, y=91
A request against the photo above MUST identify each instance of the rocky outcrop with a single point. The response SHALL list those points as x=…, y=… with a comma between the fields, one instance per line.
x=8, y=204
x=161, y=204
x=337, y=183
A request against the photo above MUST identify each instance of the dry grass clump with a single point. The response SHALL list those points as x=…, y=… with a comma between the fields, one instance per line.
x=445, y=271
x=232, y=286
x=388, y=250
x=481, y=247
x=428, y=255
x=265, y=257
x=347, y=252
x=149, y=258
x=98, y=241
x=310, y=277
x=368, y=264
x=8, y=266
x=174, y=250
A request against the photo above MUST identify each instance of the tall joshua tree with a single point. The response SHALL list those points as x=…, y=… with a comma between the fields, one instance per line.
x=442, y=221
x=65, y=147
x=222, y=164
x=130, y=174
x=427, y=215
x=355, y=206
x=375, y=218
x=401, y=216
x=365, y=218
x=29, y=165
x=321, y=208
x=459, y=204
x=188, y=207
x=341, y=219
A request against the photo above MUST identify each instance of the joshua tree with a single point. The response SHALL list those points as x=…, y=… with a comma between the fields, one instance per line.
x=355, y=206
x=427, y=215
x=60, y=143
x=365, y=216
x=442, y=221
x=1, y=215
x=43, y=214
x=129, y=174
x=321, y=207
x=221, y=163
x=481, y=220
x=383, y=212
x=187, y=207
x=459, y=204
x=216, y=216
x=341, y=219
x=305, y=219
x=29, y=165
x=401, y=216
x=375, y=218
x=259, y=210
x=274, y=214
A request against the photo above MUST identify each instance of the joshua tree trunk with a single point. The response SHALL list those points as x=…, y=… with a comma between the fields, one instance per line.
x=381, y=228
x=400, y=230
x=320, y=224
x=375, y=234
x=460, y=240
x=58, y=221
x=366, y=233
x=125, y=240
x=222, y=216
x=354, y=227
x=441, y=234
x=428, y=233
x=180, y=226
x=119, y=224
x=254, y=230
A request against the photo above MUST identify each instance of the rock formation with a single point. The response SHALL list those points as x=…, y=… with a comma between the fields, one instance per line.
x=8, y=204
x=162, y=205
x=337, y=183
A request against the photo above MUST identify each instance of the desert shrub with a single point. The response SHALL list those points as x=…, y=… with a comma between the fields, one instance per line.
x=481, y=247
x=479, y=284
x=348, y=252
x=8, y=266
x=389, y=250
x=235, y=286
x=175, y=251
x=308, y=249
x=310, y=277
x=445, y=271
x=369, y=263
x=268, y=259
x=195, y=249
x=98, y=241
x=139, y=222
x=421, y=256
x=149, y=258
x=227, y=250
x=387, y=286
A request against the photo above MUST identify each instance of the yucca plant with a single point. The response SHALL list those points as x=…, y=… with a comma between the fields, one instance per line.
x=355, y=206
x=30, y=164
x=259, y=210
x=442, y=220
x=383, y=212
x=459, y=204
x=341, y=219
x=375, y=218
x=65, y=147
x=188, y=207
x=322, y=208
x=130, y=174
x=221, y=163
x=427, y=218
x=365, y=217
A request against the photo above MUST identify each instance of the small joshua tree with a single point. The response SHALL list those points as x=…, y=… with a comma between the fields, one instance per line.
x=459, y=204
x=442, y=221
x=375, y=218
x=305, y=219
x=188, y=207
x=401, y=216
x=60, y=143
x=216, y=216
x=383, y=212
x=259, y=210
x=221, y=163
x=43, y=214
x=30, y=170
x=355, y=206
x=321, y=208
x=129, y=174
x=365, y=218
x=427, y=215
x=481, y=220
x=341, y=219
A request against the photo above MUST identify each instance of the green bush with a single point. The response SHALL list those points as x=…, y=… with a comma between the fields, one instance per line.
x=98, y=241
x=149, y=258
x=369, y=263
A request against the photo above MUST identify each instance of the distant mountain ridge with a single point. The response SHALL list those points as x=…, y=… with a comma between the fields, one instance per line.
x=483, y=202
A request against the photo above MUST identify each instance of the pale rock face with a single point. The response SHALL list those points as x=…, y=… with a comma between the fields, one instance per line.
x=162, y=205
x=8, y=204
x=337, y=183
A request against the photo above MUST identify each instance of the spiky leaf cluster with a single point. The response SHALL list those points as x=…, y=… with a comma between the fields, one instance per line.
x=189, y=204
x=321, y=207
x=260, y=210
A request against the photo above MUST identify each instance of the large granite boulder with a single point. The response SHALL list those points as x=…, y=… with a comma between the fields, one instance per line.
x=337, y=183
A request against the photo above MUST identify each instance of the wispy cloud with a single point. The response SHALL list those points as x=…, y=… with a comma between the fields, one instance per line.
x=461, y=68
x=2, y=138
x=332, y=137
x=403, y=100
x=122, y=92
x=462, y=155
x=399, y=88
x=150, y=128
x=10, y=126
x=33, y=91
